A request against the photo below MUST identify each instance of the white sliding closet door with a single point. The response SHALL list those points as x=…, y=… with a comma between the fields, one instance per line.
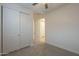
x=26, y=29
x=0, y=29
x=10, y=30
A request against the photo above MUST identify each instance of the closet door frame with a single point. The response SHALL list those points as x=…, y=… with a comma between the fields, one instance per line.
x=1, y=30
x=19, y=34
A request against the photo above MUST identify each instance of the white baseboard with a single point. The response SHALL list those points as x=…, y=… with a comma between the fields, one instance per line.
x=63, y=48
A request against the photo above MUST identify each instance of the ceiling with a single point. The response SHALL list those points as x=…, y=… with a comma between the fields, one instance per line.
x=40, y=8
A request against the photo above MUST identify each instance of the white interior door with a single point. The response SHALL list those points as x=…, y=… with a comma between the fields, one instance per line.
x=26, y=29
x=0, y=29
x=10, y=30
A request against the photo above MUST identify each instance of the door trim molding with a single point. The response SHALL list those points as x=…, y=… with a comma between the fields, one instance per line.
x=1, y=30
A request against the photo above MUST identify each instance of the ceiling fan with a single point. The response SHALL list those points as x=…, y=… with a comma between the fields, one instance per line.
x=46, y=5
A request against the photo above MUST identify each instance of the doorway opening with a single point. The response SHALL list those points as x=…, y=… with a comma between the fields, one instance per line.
x=38, y=29
x=42, y=30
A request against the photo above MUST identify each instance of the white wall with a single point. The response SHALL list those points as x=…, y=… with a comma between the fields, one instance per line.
x=62, y=27
x=17, y=7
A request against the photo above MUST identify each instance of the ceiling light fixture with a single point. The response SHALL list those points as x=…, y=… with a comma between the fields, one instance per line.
x=45, y=4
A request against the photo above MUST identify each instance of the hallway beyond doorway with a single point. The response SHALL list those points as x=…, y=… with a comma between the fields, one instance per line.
x=42, y=31
x=38, y=28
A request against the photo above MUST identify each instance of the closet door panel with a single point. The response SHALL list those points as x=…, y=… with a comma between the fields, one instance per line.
x=26, y=29
x=10, y=30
